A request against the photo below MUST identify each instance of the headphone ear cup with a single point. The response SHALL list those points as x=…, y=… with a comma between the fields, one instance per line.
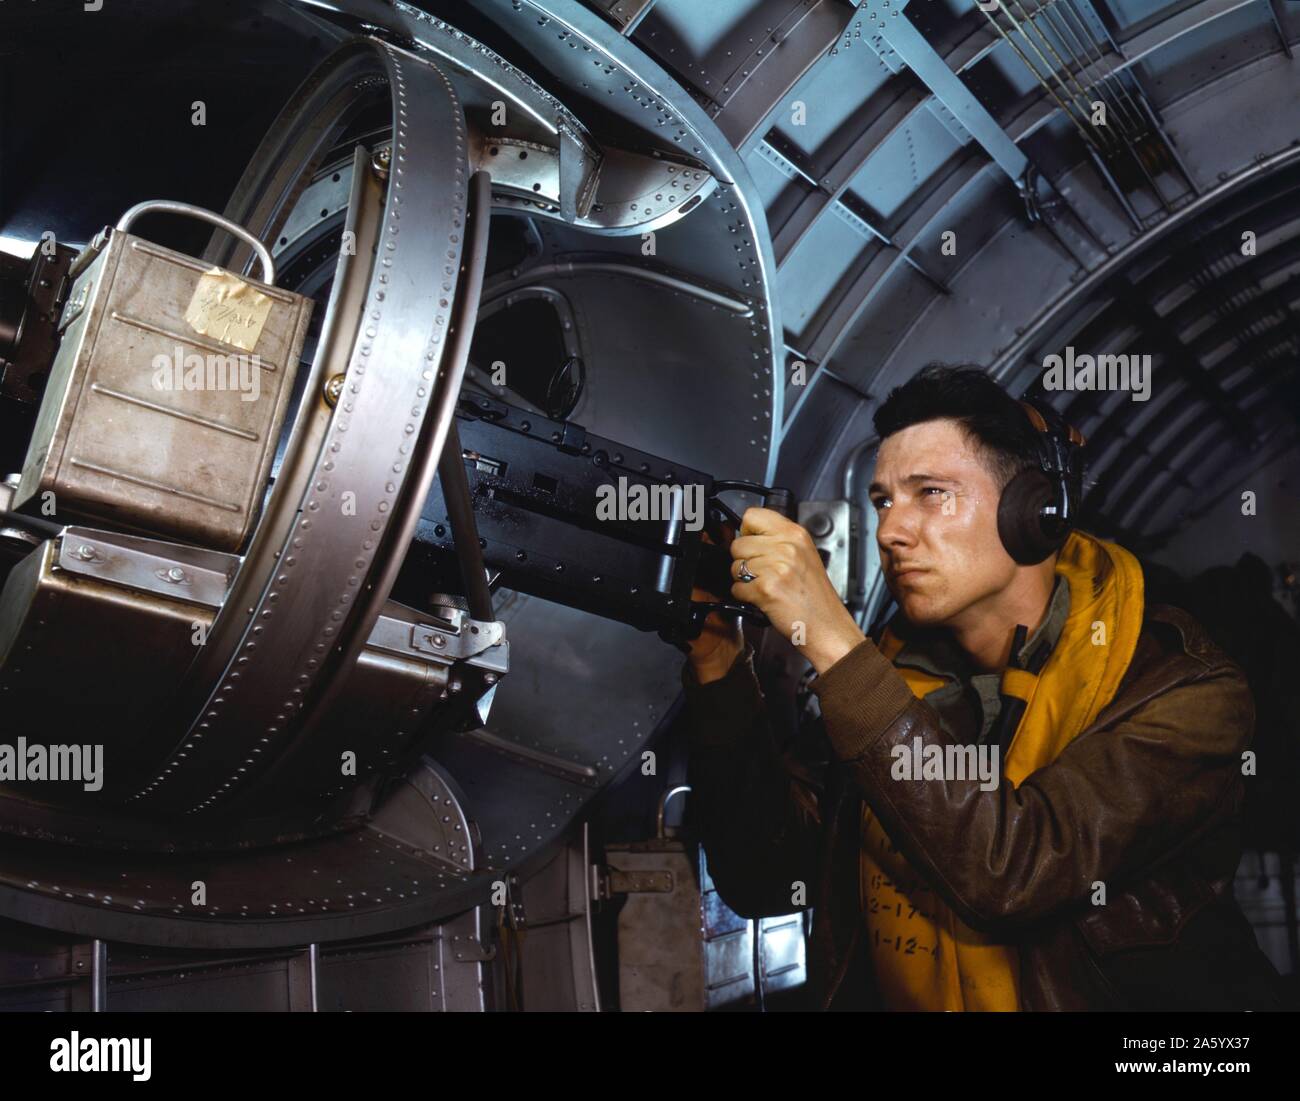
x=1020, y=523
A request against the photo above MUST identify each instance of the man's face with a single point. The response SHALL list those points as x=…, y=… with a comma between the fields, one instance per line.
x=937, y=506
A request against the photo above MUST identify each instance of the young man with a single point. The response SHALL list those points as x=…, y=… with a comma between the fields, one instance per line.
x=1080, y=857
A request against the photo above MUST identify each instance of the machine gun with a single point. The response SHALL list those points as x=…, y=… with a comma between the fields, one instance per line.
x=557, y=512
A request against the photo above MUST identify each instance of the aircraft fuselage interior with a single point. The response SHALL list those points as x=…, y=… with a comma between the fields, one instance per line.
x=384, y=385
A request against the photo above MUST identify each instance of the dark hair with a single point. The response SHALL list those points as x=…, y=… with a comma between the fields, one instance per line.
x=992, y=418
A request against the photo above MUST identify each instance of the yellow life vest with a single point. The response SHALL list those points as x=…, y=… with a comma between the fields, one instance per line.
x=923, y=955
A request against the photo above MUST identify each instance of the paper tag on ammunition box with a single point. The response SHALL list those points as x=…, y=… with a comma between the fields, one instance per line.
x=227, y=309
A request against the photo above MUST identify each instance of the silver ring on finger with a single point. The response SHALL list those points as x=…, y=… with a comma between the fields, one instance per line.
x=745, y=575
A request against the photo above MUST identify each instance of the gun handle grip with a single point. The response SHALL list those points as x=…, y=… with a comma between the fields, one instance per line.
x=781, y=500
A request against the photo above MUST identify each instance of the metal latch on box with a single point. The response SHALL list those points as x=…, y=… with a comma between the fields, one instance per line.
x=618, y=882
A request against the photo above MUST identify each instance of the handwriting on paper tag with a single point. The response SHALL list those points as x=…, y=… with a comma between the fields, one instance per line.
x=227, y=309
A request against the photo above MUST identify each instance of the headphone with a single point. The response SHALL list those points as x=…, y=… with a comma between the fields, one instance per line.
x=1038, y=506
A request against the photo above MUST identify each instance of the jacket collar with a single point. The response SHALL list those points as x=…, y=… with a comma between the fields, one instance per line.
x=933, y=650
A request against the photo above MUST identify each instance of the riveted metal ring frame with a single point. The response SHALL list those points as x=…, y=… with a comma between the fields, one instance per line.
x=543, y=161
x=323, y=889
x=307, y=614
x=405, y=513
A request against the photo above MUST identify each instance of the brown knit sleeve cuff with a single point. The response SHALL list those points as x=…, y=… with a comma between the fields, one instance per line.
x=860, y=695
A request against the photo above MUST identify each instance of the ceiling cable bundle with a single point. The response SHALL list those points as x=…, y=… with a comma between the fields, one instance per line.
x=1028, y=33
x=1061, y=51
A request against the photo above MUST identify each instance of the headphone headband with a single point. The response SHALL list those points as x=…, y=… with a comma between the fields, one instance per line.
x=1038, y=416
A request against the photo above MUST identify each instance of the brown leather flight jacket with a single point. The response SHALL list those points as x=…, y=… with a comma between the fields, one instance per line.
x=1146, y=800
